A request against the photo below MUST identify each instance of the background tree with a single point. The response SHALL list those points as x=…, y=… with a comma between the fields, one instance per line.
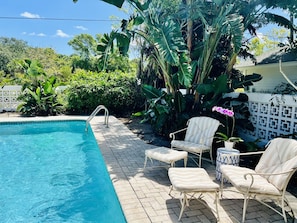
x=10, y=49
x=84, y=44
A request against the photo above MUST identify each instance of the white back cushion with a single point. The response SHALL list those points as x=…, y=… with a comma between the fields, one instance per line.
x=280, y=156
x=201, y=130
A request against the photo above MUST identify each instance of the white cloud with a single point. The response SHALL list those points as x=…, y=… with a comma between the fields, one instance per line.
x=34, y=34
x=81, y=27
x=60, y=33
x=30, y=15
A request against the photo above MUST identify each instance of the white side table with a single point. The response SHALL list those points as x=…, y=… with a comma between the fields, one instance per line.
x=223, y=158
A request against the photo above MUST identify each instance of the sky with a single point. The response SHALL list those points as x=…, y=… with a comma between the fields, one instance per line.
x=30, y=20
x=53, y=23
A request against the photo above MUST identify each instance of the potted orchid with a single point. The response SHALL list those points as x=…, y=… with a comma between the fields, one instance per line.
x=228, y=138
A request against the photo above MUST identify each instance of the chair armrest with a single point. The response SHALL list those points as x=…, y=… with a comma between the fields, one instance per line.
x=172, y=135
x=268, y=174
x=290, y=172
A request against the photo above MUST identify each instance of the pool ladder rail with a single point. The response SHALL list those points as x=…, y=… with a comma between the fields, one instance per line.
x=95, y=112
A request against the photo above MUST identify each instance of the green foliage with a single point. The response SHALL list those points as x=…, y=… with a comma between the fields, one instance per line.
x=98, y=54
x=285, y=88
x=163, y=36
x=38, y=96
x=221, y=137
x=239, y=105
x=12, y=51
x=117, y=91
x=166, y=112
x=259, y=46
x=84, y=44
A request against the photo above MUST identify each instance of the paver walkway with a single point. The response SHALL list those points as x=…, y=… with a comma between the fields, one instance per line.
x=144, y=195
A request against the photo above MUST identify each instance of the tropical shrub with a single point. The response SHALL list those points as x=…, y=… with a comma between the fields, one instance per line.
x=166, y=111
x=117, y=91
x=38, y=96
x=40, y=101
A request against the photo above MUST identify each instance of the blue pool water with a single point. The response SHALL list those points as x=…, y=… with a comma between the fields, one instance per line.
x=54, y=172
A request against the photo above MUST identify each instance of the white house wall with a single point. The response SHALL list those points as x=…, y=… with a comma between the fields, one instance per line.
x=271, y=76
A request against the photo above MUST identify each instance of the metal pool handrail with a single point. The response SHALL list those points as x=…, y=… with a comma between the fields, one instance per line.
x=95, y=112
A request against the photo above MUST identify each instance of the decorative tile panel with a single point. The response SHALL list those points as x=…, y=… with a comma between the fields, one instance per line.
x=272, y=119
x=8, y=98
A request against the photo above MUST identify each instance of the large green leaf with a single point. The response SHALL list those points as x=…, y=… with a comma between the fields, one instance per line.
x=217, y=86
x=36, y=95
x=150, y=92
x=220, y=84
x=204, y=89
x=141, y=6
x=247, y=80
x=234, y=27
x=161, y=109
x=48, y=88
x=185, y=75
x=123, y=42
x=105, y=46
x=168, y=40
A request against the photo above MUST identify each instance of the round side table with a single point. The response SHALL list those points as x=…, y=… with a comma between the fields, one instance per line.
x=230, y=160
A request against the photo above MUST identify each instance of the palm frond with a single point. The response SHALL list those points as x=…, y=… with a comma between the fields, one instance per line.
x=280, y=20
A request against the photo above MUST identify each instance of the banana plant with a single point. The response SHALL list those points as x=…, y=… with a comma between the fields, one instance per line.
x=105, y=47
x=166, y=111
x=163, y=35
x=223, y=22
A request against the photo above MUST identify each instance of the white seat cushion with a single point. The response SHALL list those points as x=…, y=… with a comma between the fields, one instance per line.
x=191, y=180
x=166, y=155
x=235, y=176
x=189, y=146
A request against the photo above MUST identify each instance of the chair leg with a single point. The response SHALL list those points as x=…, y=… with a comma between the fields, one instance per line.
x=200, y=159
x=283, y=209
x=171, y=188
x=222, y=185
x=217, y=205
x=183, y=203
x=211, y=158
x=245, y=203
x=185, y=161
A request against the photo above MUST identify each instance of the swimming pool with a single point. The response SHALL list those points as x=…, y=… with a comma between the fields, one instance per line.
x=54, y=172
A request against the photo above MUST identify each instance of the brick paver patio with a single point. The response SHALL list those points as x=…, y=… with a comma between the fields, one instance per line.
x=144, y=195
